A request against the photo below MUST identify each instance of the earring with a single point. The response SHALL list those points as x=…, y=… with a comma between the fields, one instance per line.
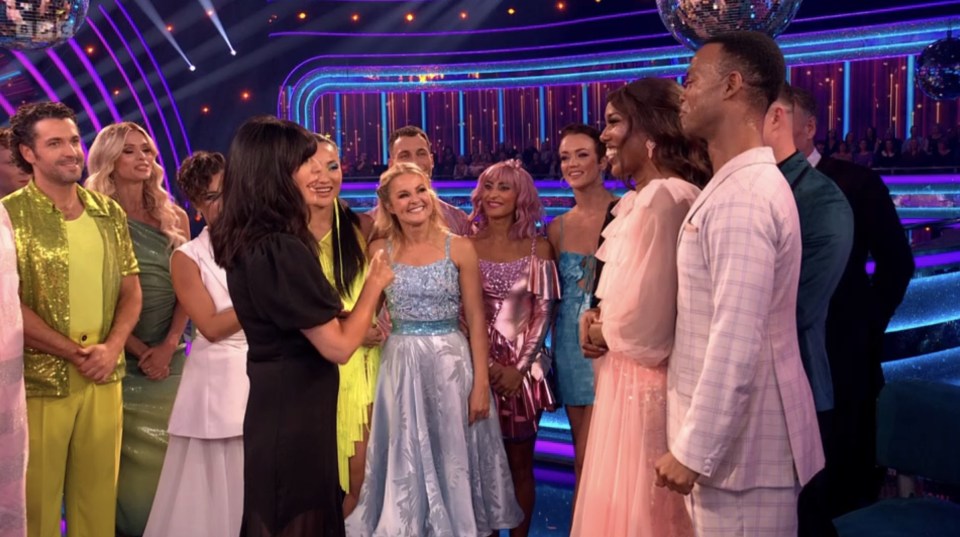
x=650, y=146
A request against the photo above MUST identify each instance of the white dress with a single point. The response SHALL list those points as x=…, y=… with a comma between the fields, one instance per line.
x=200, y=493
x=13, y=403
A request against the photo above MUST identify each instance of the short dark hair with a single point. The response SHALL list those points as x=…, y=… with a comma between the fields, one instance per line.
x=804, y=99
x=6, y=135
x=759, y=61
x=260, y=196
x=196, y=171
x=409, y=131
x=589, y=131
x=23, y=122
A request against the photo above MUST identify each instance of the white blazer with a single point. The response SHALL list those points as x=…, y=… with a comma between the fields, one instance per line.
x=739, y=407
x=212, y=397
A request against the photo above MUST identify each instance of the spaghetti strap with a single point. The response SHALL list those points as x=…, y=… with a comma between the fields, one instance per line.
x=389, y=249
x=446, y=246
x=533, y=246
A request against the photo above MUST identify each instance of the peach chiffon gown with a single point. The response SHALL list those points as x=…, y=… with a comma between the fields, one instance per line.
x=638, y=292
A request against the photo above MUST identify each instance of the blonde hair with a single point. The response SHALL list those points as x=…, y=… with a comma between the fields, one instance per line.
x=105, y=151
x=387, y=225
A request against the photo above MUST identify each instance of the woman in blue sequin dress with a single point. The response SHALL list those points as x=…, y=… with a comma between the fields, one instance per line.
x=574, y=236
x=435, y=459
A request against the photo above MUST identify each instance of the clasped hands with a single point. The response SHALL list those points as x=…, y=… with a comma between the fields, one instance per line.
x=96, y=362
x=592, y=344
x=506, y=380
x=673, y=475
x=155, y=361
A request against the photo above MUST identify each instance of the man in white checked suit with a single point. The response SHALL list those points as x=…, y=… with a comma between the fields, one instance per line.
x=742, y=429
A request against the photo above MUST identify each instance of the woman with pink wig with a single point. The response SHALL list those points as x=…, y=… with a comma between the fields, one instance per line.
x=520, y=288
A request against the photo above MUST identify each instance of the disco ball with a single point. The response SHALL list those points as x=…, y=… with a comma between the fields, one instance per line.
x=938, y=69
x=694, y=21
x=36, y=24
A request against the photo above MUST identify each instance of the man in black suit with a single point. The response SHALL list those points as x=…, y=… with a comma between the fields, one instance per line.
x=859, y=312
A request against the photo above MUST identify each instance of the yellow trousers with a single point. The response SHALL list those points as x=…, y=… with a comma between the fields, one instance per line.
x=74, y=459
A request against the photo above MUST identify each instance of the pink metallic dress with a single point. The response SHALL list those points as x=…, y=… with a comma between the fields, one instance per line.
x=519, y=298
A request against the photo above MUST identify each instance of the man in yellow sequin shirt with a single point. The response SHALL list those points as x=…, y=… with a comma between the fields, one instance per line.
x=81, y=298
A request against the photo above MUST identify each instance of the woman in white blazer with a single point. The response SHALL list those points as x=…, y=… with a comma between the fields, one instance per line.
x=201, y=486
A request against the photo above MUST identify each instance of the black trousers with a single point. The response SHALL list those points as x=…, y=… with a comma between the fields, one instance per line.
x=851, y=479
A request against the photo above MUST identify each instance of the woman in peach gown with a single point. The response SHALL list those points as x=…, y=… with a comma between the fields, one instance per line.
x=637, y=289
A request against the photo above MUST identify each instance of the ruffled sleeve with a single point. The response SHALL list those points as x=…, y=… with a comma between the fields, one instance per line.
x=544, y=281
x=638, y=288
x=287, y=285
x=544, y=286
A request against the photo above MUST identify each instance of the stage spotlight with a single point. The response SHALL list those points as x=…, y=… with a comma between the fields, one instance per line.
x=511, y=11
x=212, y=13
x=463, y=15
x=301, y=15
x=90, y=49
x=233, y=52
x=164, y=28
x=409, y=17
x=245, y=96
x=355, y=17
x=205, y=110
x=193, y=67
x=561, y=6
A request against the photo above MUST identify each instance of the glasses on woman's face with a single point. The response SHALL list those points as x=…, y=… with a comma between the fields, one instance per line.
x=211, y=196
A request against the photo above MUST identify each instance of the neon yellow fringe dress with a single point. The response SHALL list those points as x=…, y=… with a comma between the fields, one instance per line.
x=358, y=377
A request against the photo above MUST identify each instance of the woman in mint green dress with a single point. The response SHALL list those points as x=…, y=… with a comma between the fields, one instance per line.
x=123, y=165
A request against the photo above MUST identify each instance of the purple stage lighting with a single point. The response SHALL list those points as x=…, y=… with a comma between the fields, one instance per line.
x=97, y=81
x=163, y=79
x=91, y=113
x=133, y=92
x=156, y=102
x=7, y=107
x=528, y=28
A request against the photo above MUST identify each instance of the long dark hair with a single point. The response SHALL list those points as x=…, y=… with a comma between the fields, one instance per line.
x=652, y=106
x=349, y=256
x=259, y=194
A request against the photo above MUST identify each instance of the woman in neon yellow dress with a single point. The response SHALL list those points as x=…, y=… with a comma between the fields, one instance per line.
x=341, y=234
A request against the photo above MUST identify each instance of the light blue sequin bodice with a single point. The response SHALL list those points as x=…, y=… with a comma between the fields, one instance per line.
x=425, y=299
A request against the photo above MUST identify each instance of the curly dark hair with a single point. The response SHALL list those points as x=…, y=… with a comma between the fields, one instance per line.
x=652, y=106
x=260, y=196
x=6, y=135
x=23, y=122
x=195, y=173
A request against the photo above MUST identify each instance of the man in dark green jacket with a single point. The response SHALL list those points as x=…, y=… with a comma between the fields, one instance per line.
x=826, y=228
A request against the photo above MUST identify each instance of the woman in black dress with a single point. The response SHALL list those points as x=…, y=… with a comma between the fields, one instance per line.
x=290, y=315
